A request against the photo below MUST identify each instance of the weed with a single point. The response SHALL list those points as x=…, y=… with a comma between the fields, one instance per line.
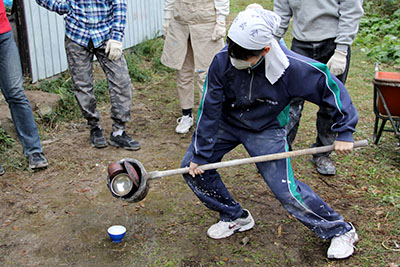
x=6, y=141
x=144, y=60
x=358, y=209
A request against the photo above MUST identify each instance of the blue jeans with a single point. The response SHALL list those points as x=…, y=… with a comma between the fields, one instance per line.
x=296, y=197
x=13, y=91
x=322, y=52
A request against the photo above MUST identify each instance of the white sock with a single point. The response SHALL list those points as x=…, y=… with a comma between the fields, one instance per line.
x=119, y=132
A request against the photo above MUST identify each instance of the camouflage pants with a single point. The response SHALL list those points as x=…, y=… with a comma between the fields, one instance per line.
x=80, y=63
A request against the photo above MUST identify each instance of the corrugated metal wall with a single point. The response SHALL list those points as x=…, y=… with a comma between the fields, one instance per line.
x=46, y=33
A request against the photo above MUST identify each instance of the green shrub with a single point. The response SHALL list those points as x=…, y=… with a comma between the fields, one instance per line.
x=380, y=30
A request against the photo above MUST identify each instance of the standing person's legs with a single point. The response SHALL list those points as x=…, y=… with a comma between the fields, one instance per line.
x=324, y=119
x=20, y=108
x=185, y=80
x=80, y=64
x=185, y=88
x=120, y=88
x=322, y=52
x=297, y=104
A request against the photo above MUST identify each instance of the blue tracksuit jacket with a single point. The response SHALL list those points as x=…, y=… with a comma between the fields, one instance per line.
x=246, y=99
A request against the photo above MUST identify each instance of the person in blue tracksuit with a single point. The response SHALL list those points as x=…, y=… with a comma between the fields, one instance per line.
x=249, y=86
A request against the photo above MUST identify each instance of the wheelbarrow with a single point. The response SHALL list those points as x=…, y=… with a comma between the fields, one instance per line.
x=386, y=103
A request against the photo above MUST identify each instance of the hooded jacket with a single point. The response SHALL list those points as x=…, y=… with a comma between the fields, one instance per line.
x=247, y=100
x=4, y=23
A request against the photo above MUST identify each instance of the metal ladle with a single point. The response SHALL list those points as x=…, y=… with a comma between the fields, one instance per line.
x=118, y=176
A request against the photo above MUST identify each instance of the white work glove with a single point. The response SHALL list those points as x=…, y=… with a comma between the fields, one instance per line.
x=114, y=49
x=167, y=20
x=165, y=27
x=219, y=29
x=337, y=63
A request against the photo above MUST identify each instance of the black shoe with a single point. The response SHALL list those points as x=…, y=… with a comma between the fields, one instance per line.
x=37, y=161
x=325, y=165
x=124, y=141
x=2, y=171
x=97, y=138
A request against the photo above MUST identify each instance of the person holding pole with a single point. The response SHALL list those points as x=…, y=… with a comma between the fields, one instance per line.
x=249, y=86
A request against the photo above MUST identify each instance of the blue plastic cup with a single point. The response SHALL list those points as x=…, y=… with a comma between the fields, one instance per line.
x=116, y=233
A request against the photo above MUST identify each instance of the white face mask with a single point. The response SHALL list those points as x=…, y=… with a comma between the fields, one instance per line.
x=240, y=64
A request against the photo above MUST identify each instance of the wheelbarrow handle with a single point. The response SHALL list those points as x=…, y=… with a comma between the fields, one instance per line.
x=236, y=162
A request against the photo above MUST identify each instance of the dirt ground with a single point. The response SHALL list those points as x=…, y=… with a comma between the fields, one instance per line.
x=59, y=216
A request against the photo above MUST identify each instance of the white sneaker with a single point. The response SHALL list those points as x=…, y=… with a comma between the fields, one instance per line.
x=343, y=246
x=225, y=229
x=184, y=124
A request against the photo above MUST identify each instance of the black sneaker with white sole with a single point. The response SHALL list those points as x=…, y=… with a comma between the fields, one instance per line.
x=37, y=161
x=124, y=141
x=97, y=138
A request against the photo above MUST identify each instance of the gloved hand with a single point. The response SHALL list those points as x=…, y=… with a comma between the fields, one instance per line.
x=114, y=49
x=219, y=29
x=337, y=63
x=165, y=27
x=167, y=20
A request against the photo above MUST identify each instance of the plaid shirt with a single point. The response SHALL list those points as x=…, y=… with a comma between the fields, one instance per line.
x=98, y=20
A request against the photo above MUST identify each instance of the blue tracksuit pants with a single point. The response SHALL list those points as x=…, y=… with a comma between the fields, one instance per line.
x=296, y=197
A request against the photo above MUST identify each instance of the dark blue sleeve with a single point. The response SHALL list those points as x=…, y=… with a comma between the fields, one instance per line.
x=209, y=114
x=313, y=81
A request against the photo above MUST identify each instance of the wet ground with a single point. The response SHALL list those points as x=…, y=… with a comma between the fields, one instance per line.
x=59, y=216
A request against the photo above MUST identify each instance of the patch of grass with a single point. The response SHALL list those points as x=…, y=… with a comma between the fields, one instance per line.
x=68, y=109
x=10, y=157
x=144, y=60
x=6, y=141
